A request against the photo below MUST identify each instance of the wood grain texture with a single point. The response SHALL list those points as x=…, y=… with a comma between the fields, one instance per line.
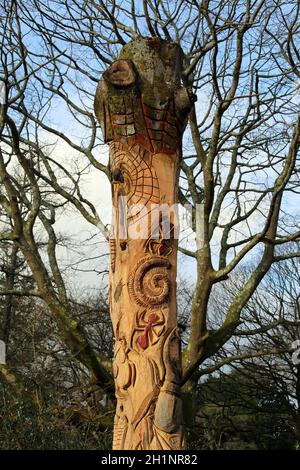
x=142, y=108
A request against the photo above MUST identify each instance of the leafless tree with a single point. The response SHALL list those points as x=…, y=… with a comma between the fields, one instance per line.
x=262, y=353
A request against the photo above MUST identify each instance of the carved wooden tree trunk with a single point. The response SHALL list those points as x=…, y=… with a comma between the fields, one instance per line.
x=142, y=109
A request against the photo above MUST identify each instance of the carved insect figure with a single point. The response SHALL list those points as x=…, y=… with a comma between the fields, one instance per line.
x=143, y=340
x=151, y=333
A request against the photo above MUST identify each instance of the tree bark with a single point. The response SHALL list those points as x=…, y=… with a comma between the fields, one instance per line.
x=142, y=109
x=8, y=304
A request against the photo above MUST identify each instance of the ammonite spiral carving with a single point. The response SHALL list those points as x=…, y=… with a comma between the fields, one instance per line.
x=150, y=285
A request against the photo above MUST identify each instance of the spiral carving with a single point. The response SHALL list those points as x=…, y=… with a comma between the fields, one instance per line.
x=150, y=283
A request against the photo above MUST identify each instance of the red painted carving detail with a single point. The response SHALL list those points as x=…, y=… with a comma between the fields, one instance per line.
x=143, y=340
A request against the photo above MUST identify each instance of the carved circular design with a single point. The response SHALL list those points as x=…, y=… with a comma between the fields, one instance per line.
x=139, y=181
x=150, y=284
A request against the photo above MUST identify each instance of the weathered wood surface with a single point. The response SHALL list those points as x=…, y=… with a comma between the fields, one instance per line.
x=142, y=108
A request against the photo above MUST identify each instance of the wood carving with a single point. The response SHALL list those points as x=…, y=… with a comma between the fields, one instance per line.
x=142, y=108
x=149, y=284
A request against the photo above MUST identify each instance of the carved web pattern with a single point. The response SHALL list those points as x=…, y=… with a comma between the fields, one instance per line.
x=139, y=181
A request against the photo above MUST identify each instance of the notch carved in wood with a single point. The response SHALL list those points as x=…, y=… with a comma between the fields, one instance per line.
x=120, y=74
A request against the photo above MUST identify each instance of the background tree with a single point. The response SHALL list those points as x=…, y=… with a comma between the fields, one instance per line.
x=249, y=395
x=47, y=399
